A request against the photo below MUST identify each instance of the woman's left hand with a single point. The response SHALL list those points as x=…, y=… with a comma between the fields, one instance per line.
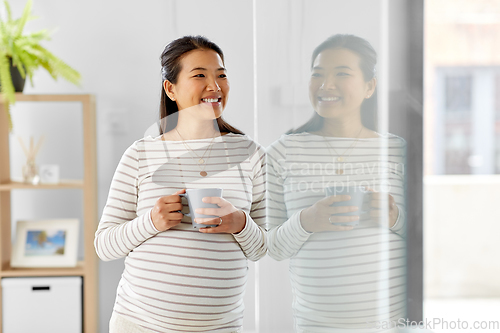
x=231, y=220
x=377, y=202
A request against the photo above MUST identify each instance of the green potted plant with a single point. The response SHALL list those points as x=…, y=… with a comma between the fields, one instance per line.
x=21, y=54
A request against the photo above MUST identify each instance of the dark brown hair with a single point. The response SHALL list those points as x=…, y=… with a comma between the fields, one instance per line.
x=368, y=57
x=170, y=68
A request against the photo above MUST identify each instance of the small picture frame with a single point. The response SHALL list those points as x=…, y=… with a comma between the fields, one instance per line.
x=46, y=243
x=49, y=173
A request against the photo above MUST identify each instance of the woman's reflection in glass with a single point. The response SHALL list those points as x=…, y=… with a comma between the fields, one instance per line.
x=347, y=271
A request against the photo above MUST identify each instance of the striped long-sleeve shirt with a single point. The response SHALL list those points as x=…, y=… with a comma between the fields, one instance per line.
x=182, y=280
x=341, y=280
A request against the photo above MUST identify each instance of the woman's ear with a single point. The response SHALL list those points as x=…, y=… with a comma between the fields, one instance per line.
x=371, y=85
x=169, y=89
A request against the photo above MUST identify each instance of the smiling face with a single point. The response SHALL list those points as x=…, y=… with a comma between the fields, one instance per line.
x=337, y=87
x=202, y=86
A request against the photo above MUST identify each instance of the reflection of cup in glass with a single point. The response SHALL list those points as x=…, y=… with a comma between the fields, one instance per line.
x=195, y=197
x=357, y=194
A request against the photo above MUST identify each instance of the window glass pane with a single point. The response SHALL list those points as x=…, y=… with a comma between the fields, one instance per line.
x=462, y=157
x=497, y=123
x=458, y=147
x=458, y=93
x=457, y=124
x=497, y=95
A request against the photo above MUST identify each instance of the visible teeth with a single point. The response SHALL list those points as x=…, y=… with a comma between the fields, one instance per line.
x=329, y=99
x=210, y=100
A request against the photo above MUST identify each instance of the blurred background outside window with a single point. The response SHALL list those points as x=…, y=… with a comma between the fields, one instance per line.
x=462, y=161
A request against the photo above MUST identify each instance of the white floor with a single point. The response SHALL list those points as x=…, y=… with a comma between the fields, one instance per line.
x=451, y=312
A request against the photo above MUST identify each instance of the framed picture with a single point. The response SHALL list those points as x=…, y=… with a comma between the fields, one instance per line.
x=46, y=243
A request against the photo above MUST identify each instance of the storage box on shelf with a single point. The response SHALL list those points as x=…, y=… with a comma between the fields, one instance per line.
x=52, y=304
x=87, y=268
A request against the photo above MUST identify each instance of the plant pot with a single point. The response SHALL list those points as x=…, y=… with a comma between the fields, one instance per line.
x=17, y=80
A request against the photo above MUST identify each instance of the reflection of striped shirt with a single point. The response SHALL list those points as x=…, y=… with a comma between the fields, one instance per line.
x=340, y=280
x=182, y=280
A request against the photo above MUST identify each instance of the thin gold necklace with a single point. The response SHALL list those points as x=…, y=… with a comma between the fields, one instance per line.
x=200, y=162
x=200, y=159
x=342, y=158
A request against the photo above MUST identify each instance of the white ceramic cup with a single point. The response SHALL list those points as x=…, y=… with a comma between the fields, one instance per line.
x=194, y=198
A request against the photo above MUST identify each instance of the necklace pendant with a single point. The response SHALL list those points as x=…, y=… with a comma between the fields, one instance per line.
x=340, y=159
x=203, y=173
x=340, y=172
x=201, y=161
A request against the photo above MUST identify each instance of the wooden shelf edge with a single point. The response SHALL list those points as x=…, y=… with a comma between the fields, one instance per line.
x=20, y=97
x=15, y=185
x=8, y=271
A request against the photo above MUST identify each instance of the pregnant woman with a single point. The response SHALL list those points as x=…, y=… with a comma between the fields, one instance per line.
x=177, y=278
x=347, y=271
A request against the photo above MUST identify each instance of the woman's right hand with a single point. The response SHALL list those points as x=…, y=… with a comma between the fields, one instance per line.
x=166, y=212
x=321, y=216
